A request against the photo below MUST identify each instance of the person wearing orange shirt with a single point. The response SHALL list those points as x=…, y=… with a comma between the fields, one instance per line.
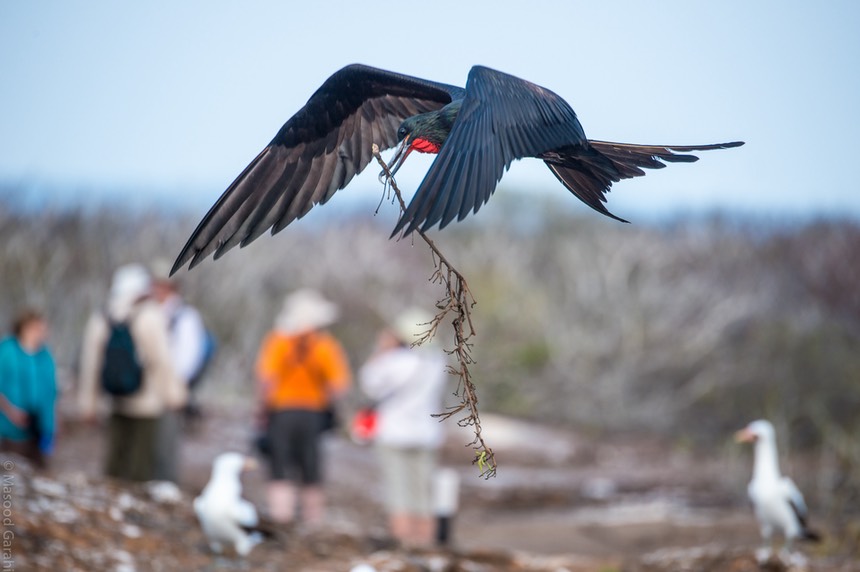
x=301, y=369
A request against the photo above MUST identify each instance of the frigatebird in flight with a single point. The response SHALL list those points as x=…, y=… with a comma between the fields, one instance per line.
x=477, y=133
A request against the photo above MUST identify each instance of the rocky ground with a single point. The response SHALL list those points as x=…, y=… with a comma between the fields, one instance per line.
x=560, y=502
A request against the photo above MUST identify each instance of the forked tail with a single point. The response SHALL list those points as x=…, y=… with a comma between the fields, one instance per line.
x=588, y=172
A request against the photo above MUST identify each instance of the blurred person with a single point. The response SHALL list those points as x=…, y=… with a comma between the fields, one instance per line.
x=191, y=345
x=190, y=351
x=28, y=390
x=133, y=444
x=301, y=369
x=407, y=384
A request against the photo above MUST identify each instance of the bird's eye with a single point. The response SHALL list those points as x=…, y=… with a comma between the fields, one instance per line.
x=401, y=133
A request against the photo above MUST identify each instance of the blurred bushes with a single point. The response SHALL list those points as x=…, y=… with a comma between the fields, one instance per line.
x=692, y=329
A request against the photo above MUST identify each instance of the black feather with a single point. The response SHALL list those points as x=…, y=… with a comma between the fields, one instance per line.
x=805, y=532
x=514, y=117
x=497, y=119
x=588, y=171
x=354, y=108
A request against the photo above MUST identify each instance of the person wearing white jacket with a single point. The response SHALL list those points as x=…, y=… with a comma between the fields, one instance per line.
x=407, y=385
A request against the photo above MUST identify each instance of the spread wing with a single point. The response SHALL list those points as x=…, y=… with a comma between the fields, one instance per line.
x=316, y=153
x=502, y=118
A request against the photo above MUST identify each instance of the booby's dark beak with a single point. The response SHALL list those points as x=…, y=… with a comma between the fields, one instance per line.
x=745, y=436
x=400, y=155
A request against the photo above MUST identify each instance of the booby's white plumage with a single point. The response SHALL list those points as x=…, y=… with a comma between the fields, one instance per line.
x=224, y=516
x=779, y=505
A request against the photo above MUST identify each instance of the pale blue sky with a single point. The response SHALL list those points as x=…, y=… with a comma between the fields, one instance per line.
x=177, y=97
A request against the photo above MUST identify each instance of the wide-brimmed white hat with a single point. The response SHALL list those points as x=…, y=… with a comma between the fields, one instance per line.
x=305, y=310
x=130, y=282
x=411, y=325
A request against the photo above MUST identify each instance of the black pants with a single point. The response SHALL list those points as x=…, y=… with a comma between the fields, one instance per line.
x=294, y=435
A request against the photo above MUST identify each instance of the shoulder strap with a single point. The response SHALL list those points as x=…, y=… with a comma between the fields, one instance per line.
x=300, y=360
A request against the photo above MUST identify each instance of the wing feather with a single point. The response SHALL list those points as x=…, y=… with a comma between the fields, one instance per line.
x=244, y=513
x=502, y=118
x=316, y=152
x=795, y=498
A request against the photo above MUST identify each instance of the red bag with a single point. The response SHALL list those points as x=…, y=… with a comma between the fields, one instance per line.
x=364, y=425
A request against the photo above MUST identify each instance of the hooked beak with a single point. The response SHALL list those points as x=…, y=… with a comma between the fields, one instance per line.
x=400, y=155
x=745, y=436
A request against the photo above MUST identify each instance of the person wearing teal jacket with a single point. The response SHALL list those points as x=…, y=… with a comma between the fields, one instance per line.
x=28, y=390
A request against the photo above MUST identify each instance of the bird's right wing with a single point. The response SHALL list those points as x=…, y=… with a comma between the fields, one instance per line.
x=502, y=118
x=245, y=513
x=317, y=152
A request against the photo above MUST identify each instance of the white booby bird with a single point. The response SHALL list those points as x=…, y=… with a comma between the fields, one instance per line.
x=226, y=518
x=778, y=503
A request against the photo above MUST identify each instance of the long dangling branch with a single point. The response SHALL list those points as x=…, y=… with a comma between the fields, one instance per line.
x=457, y=300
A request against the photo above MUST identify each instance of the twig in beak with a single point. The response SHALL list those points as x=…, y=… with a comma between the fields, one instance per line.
x=458, y=300
x=397, y=160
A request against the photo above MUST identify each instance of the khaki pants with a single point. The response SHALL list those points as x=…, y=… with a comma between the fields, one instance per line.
x=167, y=446
x=408, y=474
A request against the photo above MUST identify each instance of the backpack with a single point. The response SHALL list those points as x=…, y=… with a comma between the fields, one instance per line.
x=122, y=373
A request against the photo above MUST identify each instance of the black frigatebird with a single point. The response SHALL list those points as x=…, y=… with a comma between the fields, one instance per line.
x=477, y=132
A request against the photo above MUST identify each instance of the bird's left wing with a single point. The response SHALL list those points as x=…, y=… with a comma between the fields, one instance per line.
x=502, y=118
x=317, y=152
x=795, y=498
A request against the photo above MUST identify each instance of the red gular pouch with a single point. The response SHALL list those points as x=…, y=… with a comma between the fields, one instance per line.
x=424, y=146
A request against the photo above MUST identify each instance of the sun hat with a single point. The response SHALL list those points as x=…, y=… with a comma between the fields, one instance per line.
x=130, y=282
x=305, y=310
